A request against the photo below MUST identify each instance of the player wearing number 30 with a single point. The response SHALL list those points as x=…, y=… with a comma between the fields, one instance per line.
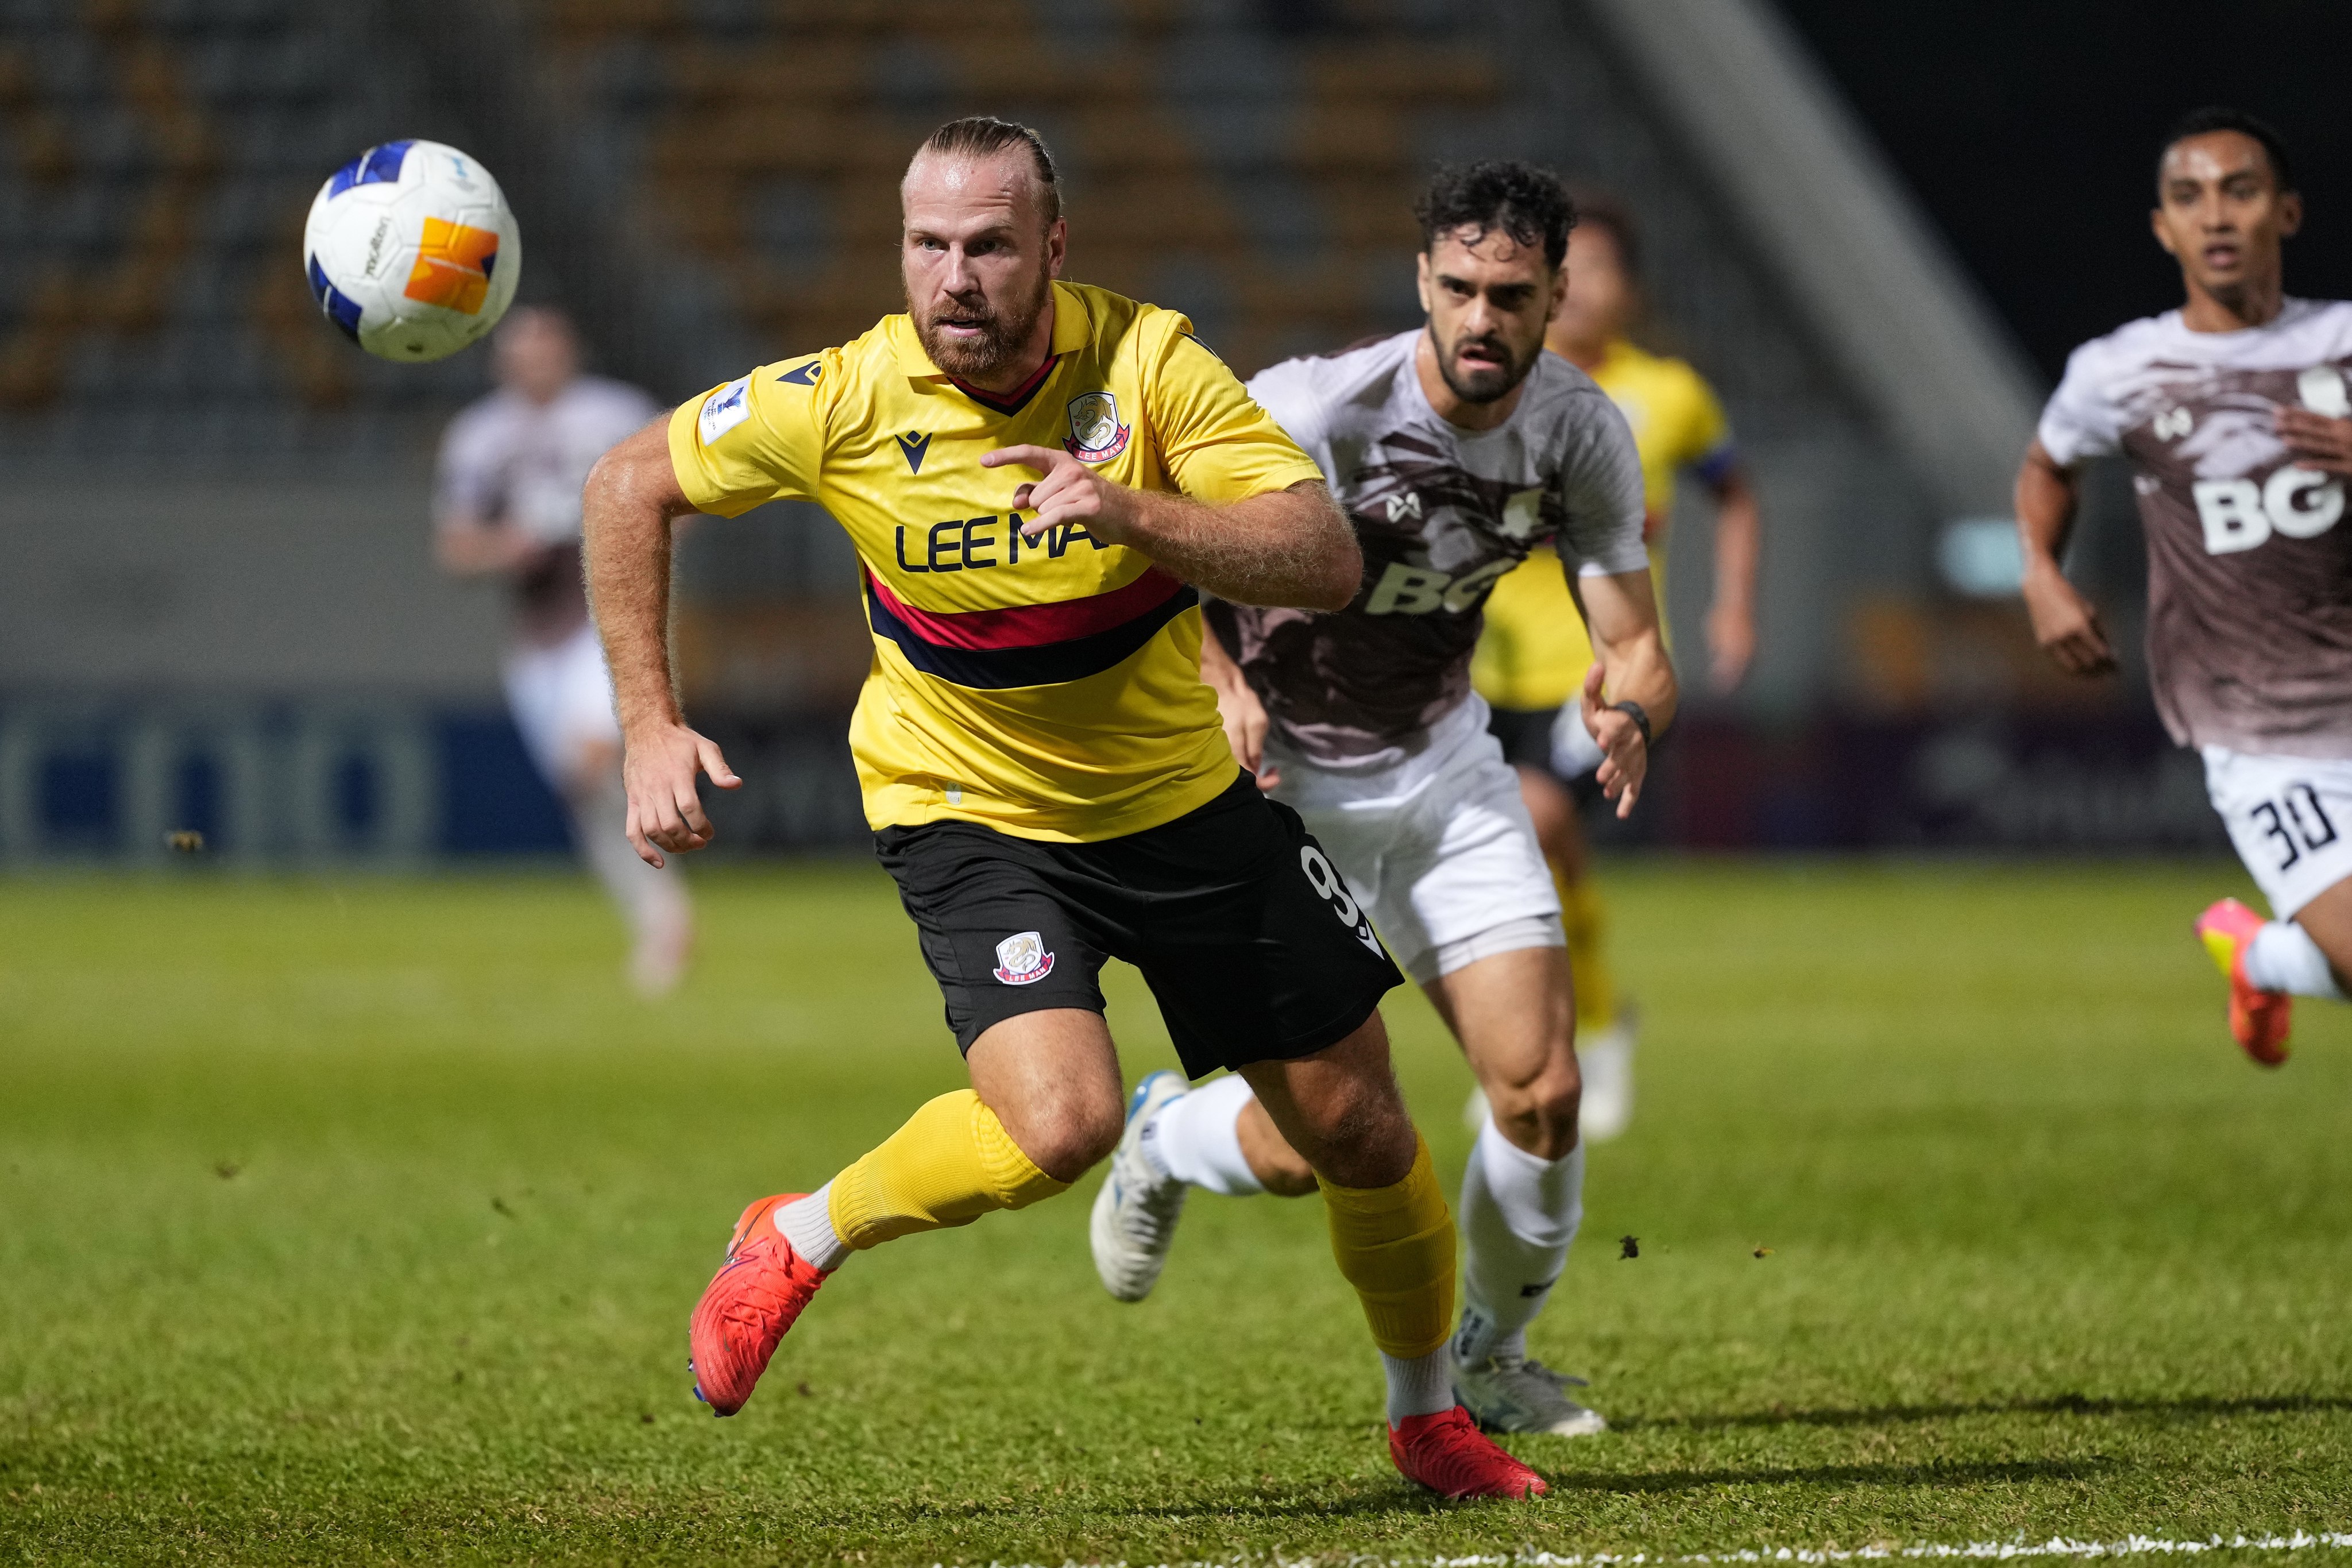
x=1040, y=480
x=2235, y=412
x=1456, y=449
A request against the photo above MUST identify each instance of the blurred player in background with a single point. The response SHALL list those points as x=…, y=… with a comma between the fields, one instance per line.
x=1534, y=653
x=508, y=505
x=2236, y=415
x=1455, y=449
x=1041, y=479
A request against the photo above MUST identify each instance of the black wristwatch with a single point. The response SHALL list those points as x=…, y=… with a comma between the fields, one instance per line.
x=1639, y=714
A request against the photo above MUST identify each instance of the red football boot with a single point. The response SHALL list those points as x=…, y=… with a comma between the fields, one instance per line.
x=2259, y=1020
x=755, y=1297
x=1448, y=1454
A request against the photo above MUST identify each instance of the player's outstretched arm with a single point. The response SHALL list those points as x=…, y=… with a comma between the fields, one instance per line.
x=627, y=511
x=2065, y=624
x=1731, y=619
x=1620, y=611
x=1290, y=547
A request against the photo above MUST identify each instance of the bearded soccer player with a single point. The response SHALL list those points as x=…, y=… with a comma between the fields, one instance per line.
x=2235, y=415
x=1534, y=653
x=1041, y=479
x=1456, y=449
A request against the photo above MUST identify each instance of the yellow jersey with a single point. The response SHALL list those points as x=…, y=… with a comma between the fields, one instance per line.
x=1048, y=689
x=1534, y=651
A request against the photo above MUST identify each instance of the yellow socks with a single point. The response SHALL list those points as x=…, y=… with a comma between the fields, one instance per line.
x=1588, y=964
x=1395, y=1246
x=951, y=1164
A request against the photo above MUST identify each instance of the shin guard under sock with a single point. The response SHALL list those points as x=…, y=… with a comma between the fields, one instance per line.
x=951, y=1163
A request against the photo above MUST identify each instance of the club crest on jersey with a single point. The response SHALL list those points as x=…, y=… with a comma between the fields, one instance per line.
x=1096, y=434
x=1023, y=959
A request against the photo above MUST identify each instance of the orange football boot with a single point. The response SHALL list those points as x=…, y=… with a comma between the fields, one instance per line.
x=756, y=1296
x=1447, y=1453
x=2259, y=1019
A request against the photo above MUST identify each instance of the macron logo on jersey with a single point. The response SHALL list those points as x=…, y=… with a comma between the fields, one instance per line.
x=914, y=447
x=725, y=409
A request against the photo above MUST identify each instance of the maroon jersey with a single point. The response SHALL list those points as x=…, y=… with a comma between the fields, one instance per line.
x=2249, y=559
x=1441, y=514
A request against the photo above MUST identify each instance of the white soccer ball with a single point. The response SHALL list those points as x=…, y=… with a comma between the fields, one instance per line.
x=412, y=251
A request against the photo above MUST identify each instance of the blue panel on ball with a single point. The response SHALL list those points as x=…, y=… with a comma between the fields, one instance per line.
x=339, y=307
x=377, y=165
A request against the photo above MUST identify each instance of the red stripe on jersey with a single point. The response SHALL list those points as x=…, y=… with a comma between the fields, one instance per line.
x=1011, y=401
x=1032, y=626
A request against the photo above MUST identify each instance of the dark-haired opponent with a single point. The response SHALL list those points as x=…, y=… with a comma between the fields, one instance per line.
x=2236, y=414
x=1455, y=449
x=1038, y=477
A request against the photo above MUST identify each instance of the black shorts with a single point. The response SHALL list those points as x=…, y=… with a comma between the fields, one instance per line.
x=1245, y=932
x=1525, y=734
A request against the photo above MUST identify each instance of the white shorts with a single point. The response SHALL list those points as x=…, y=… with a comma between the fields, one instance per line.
x=562, y=699
x=1440, y=851
x=2291, y=818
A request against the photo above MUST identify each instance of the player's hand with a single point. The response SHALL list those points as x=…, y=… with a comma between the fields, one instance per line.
x=658, y=765
x=1624, y=755
x=1070, y=492
x=1245, y=722
x=1731, y=644
x=2317, y=441
x=2065, y=624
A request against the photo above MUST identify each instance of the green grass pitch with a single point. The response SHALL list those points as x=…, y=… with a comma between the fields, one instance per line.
x=359, y=1221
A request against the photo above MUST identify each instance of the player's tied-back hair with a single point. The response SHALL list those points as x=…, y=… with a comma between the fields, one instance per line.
x=1527, y=203
x=984, y=136
x=2221, y=117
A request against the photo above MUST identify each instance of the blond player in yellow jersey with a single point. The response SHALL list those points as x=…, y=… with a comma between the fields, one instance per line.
x=1534, y=653
x=1041, y=480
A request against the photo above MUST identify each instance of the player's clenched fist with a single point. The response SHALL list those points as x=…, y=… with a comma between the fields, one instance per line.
x=1070, y=492
x=658, y=767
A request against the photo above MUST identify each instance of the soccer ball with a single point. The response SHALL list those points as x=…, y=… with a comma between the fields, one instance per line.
x=412, y=251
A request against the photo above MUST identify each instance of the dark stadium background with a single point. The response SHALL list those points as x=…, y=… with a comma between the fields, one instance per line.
x=220, y=612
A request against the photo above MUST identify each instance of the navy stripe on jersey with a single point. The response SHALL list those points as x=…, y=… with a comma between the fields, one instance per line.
x=1044, y=664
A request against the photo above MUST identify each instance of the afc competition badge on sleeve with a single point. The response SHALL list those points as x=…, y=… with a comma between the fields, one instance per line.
x=1096, y=435
x=725, y=409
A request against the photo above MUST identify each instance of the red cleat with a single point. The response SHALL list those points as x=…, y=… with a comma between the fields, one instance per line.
x=2259, y=1020
x=1448, y=1454
x=755, y=1297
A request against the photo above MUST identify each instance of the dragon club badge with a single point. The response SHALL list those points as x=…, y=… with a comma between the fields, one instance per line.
x=1022, y=960
x=1096, y=435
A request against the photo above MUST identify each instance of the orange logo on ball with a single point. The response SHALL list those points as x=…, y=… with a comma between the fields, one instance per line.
x=453, y=265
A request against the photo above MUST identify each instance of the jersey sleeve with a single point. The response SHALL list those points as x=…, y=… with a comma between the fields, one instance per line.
x=1601, y=492
x=1288, y=393
x=1708, y=447
x=2080, y=420
x=759, y=438
x=1217, y=443
x=467, y=481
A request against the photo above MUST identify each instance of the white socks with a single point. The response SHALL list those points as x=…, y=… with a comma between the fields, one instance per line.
x=1518, y=1215
x=807, y=1224
x=1422, y=1386
x=2283, y=957
x=1196, y=1139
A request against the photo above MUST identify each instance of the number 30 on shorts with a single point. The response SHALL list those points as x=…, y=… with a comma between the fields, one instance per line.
x=2296, y=820
x=1326, y=881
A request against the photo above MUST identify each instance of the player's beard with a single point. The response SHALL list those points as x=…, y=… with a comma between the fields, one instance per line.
x=1484, y=385
x=1002, y=331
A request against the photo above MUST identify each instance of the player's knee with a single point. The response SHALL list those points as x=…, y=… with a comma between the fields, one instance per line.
x=1070, y=1135
x=1541, y=1114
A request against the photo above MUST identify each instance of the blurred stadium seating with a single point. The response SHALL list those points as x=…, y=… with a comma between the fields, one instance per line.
x=707, y=183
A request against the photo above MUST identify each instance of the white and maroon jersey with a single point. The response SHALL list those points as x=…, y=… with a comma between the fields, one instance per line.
x=2249, y=560
x=507, y=459
x=1442, y=513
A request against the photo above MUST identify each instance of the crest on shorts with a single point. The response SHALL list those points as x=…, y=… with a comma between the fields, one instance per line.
x=1096, y=434
x=1022, y=960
